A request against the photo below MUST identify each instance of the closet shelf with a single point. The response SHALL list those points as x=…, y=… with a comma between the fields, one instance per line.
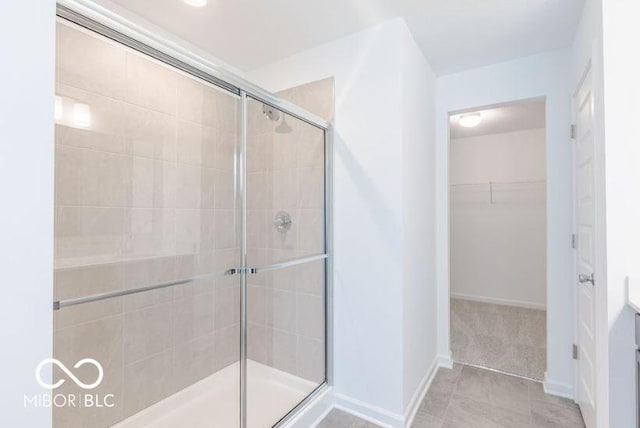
x=497, y=186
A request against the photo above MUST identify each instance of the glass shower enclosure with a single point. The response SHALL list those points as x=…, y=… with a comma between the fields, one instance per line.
x=191, y=251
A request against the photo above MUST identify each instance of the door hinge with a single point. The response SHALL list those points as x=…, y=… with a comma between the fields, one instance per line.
x=572, y=131
x=573, y=241
x=584, y=278
x=575, y=352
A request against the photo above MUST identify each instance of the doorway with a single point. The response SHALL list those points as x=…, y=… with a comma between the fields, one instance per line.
x=497, y=217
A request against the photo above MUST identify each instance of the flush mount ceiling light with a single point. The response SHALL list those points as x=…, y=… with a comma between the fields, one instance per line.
x=470, y=120
x=196, y=3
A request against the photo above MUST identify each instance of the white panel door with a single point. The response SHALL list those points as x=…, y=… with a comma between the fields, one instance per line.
x=585, y=250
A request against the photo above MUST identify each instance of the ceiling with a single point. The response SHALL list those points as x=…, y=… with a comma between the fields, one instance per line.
x=498, y=120
x=454, y=34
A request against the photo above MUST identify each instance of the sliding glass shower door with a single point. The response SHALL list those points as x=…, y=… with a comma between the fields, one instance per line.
x=190, y=244
x=147, y=224
x=286, y=250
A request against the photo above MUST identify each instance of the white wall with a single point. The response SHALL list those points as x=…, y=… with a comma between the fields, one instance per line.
x=622, y=159
x=544, y=75
x=27, y=43
x=418, y=192
x=367, y=207
x=498, y=244
x=504, y=157
x=374, y=71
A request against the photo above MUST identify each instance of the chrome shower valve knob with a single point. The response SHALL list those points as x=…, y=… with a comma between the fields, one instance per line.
x=282, y=222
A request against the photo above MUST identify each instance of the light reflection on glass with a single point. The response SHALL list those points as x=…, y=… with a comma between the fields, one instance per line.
x=58, y=108
x=69, y=112
x=81, y=115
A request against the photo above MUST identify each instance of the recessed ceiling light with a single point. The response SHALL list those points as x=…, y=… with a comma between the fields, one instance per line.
x=196, y=3
x=470, y=120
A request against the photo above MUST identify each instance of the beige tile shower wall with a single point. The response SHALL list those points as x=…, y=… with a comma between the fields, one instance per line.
x=316, y=97
x=145, y=194
x=286, y=173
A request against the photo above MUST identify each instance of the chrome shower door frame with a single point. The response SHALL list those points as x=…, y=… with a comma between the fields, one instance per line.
x=87, y=14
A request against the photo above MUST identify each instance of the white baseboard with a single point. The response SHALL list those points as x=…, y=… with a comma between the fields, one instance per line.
x=421, y=391
x=498, y=301
x=312, y=416
x=445, y=360
x=557, y=388
x=368, y=412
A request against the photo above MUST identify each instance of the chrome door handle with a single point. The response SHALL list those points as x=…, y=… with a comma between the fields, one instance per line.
x=583, y=279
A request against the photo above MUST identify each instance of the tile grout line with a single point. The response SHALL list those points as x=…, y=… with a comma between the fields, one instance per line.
x=455, y=387
x=530, y=406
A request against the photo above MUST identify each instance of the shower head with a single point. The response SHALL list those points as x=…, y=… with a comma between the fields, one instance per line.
x=270, y=112
x=284, y=127
x=274, y=115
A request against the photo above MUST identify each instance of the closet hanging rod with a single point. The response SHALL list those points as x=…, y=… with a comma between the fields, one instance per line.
x=488, y=183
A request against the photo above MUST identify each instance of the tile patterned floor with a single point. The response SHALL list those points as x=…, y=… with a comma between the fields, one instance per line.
x=505, y=338
x=339, y=419
x=467, y=397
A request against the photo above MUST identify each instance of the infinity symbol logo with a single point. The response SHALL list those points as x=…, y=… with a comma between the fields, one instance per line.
x=68, y=372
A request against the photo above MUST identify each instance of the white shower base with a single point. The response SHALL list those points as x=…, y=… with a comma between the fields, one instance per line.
x=214, y=401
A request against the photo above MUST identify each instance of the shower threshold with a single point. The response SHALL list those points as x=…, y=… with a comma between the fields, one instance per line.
x=214, y=401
